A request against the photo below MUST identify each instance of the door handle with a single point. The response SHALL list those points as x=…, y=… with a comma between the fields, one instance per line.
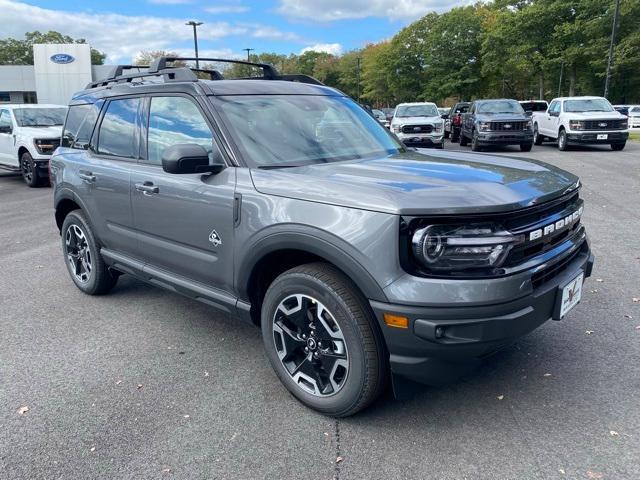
x=87, y=176
x=148, y=188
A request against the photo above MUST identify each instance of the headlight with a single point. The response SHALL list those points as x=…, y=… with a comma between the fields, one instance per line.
x=458, y=247
x=438, y=128
x=576, y=124
x=624, y=124
x=529, y=125
x=484, y=126
x=44, y=147
x=395, y=128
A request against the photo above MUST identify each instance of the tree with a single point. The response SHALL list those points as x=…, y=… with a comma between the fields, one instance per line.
x=145, y=57
x=20, y=52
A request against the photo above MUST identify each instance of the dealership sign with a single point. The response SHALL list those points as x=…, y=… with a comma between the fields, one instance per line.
x=62, y=58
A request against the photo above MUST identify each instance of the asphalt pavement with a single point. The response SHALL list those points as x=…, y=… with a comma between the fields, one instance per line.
x=143, y=383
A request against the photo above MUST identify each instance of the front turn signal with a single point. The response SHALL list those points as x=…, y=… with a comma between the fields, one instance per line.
x=396, y=321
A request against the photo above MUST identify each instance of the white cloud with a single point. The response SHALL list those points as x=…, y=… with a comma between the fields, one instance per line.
x=123, y=36
x=226, y=9
x=332, y=48
x=329, y=10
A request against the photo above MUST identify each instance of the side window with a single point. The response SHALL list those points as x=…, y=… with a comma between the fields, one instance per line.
x=79, y=126
x=553, y=106
x=5, y=119
x=174, y=120
x=117, y=134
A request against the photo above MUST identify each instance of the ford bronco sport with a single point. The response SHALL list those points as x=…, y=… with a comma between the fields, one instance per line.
x=281, y=201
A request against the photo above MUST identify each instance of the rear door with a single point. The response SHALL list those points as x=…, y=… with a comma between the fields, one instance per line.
x=184, y=222
x=8, y=155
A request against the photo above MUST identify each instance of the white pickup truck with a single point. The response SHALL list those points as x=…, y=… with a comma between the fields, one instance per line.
x=28, y=136
x=580, y=121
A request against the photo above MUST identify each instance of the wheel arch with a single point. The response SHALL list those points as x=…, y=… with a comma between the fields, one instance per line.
x=279, y=252
x=65, y=202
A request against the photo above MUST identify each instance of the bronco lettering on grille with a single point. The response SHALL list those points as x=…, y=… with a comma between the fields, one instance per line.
x=556, y=226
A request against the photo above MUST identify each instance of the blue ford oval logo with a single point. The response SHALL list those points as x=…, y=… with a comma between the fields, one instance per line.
x=62, y=58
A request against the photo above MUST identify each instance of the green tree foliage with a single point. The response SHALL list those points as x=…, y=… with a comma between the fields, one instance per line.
x=20, y=52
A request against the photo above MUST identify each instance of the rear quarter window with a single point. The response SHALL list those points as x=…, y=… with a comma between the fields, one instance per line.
x=79, y=126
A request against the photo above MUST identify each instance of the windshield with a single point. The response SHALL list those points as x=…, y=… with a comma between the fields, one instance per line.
x=379, y=114
x=534, y=106
x=634, y=110
x=500, y=106
x=404, y=111
x=39, y=117
x=294, y=130
x=588, y=105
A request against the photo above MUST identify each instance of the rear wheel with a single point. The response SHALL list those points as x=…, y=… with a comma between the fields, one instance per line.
x=82, y=256
x=463, y=139
x=321, y=340
x=616, y=147
x=537, y=138
x=562, y=140
x=526, y=147
x=29, y=171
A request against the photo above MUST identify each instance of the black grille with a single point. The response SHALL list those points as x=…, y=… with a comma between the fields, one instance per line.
x=508, y=126
x=417, y=129
x=554, y=270
x=605, y=124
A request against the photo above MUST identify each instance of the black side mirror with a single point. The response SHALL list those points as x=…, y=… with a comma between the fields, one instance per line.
x=6, y=129
x=554, y=114
x=191, y=158
x=444, y=116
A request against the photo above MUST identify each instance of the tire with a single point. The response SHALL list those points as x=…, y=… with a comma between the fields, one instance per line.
x=463, y=139
x=475, y=146
x=446, y=134
x=357, y=364
x=526, y=147
x=29, y=171
x=439, y=146
x=562, y=140
x=82, y=256
x=616, y=147
x=537, y=138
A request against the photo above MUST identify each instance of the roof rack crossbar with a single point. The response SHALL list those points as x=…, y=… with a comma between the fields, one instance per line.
x=119, y=69
x=160, y=63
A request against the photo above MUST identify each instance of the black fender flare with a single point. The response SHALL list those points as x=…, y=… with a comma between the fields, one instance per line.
x=315, y=241
x=65, y=193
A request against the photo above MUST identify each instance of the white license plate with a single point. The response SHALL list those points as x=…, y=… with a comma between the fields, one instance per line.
x=602, y=136
x=571, y=295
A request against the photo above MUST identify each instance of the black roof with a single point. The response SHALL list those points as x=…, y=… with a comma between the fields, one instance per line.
x=158, y=77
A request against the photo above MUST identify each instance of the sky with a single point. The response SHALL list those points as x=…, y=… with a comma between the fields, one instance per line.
x=122, y=28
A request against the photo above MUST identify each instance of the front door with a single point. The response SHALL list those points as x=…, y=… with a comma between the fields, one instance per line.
x=184, y=222
x=8, y=155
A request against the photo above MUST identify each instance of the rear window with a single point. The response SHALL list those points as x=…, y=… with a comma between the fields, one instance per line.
x=534, y=106
x=78, y=126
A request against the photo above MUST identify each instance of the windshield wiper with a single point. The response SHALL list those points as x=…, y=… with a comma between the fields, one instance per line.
x=273, y=167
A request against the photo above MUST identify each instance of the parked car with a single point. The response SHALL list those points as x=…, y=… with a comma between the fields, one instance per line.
x=381, y=117
x=418, y=124
x=496, y=122
x=634, y=116
x=531, y=106
x=360, y=260
x=453, y=123
x=28, y=136
x=623, y=109
x=443, y=111
x=581, y=121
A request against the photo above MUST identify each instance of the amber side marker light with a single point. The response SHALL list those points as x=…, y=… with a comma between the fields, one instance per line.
x=396, y=321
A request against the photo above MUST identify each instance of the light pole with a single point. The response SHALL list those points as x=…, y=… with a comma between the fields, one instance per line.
x=611, y=45
x=195, y=25
x=358, y=77
x=248, y=50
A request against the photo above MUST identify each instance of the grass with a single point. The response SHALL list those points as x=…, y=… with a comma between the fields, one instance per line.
x=635, y=136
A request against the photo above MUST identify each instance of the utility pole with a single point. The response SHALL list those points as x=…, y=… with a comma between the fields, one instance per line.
x=248, y=50
x=560, y=81
x=614, y=27
x=358, y=77
x=195, y=25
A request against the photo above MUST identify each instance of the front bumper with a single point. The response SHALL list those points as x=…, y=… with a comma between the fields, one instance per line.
x=421, y=139
x=505, y=138
x=445, y=342
x=591, y=138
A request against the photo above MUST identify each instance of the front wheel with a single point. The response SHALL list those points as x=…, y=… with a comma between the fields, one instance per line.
x=562, y=141
x=29, y=171
x=537, y=138
x=525, y=147
x=82, y=256
x=322, y=341
x=616, y=147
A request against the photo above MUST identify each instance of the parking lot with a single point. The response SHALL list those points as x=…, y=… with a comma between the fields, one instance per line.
x=143, y=383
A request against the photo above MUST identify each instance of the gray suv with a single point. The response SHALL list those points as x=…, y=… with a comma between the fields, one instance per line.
x=282, y=202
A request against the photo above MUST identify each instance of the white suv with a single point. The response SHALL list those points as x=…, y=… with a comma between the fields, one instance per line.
x=418, y=124
x=28, y=136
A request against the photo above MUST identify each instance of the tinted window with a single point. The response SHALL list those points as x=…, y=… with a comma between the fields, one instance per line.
x=118, y=129
x=39, y=117
x=79, y=126
x=534, y=106
x=174, y=120
x=5, y=118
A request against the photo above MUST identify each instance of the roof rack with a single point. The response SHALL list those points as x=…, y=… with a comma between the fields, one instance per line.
x=159, y=68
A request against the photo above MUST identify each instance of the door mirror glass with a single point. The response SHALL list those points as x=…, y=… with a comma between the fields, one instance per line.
x=191, y=158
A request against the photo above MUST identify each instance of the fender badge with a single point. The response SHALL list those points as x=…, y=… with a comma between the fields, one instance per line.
x=215, y=238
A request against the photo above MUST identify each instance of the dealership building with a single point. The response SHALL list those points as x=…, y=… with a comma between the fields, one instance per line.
x=58, y=71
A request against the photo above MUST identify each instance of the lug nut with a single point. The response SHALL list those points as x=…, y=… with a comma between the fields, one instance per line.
x=316, y=354
x=306, y=350
x=304, y=335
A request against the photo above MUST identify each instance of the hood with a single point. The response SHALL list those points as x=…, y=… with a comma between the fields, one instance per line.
x=416, y=120
x=595, y=115
x=502, y=117
x=415, y=183
x=41, y=132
